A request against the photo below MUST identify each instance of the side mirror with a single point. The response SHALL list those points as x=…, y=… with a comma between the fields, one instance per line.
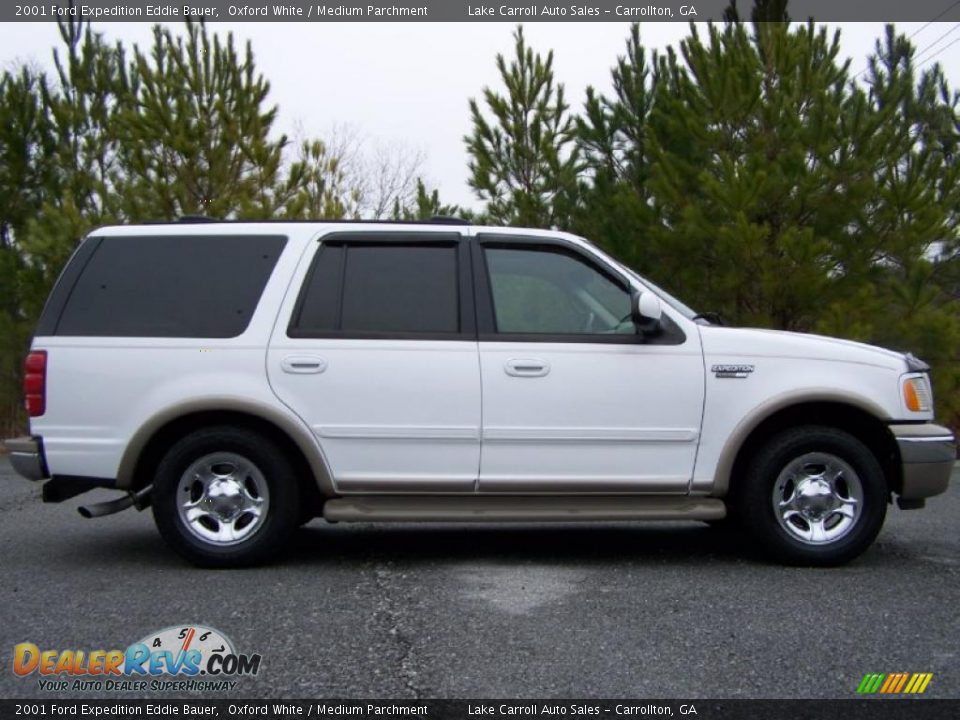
x=647, y=312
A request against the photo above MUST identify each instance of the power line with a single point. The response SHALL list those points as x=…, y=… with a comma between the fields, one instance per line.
x=923, y=52
x=938, y=52
x=921, y=29
x=918, y=56
x=917, y=32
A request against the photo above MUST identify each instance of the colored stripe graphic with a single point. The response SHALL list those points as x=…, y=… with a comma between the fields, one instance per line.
x=923, y=679
x=894, y=683
x=870, y=684
x=901, y=682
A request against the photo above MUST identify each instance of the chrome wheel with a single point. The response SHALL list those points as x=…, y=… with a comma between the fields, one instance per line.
x=817, y=498
x=223, y=498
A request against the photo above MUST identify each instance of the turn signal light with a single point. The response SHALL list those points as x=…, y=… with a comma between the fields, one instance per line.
x=916, y=395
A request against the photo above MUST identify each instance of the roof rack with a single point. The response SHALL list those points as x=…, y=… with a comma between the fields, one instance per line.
x=435, y=220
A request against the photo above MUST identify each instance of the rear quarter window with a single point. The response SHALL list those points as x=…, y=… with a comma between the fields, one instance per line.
x=204, y=286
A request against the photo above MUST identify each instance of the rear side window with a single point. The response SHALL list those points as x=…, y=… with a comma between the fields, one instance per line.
x=204, y=286
x=388, y=288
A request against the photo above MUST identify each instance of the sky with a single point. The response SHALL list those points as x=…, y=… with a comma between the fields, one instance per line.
x=409, y=83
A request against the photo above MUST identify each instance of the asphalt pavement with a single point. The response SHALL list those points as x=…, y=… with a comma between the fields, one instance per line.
x=469, y=611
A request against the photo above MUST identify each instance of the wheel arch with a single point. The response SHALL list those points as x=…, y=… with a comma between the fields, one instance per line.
x=151, y=440
x=860, y=417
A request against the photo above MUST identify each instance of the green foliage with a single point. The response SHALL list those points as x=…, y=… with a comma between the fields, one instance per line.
x=28, y=175
x=316, y=187
x=194, y=133
x=523, y=161
x=614, y=206
x=751, y=178
x=426, y=204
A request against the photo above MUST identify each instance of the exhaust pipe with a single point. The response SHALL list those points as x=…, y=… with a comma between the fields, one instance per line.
x=139, y=500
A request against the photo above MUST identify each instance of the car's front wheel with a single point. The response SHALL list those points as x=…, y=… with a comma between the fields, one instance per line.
x=225, y=497
x=813, y=496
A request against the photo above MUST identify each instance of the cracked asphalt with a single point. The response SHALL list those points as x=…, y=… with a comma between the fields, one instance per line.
x=470, y=611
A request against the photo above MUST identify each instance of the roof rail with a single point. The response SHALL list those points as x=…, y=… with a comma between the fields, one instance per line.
x=197, y=219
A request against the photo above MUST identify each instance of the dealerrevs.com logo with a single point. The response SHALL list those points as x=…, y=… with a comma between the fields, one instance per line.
x=178, y=658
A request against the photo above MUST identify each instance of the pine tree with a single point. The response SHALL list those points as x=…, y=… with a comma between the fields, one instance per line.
x=426, y=204
x=614, y=206
x=195, y=134
x=908, y=229
x=28, y=178
x=523, y=163
x=751, y=175
x=82, y=105
x=317, y=187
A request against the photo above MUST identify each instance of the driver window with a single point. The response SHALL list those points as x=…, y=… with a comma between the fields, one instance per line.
x=548, y=291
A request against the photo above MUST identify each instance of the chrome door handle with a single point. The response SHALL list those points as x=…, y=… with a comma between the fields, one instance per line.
x=526, y=367
x=303, y=364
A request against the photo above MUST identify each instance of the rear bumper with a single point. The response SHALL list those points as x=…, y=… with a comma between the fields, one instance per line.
x=26, y=456
x=928, y=453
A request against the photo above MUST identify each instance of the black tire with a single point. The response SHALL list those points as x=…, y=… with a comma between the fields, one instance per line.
x=778, y=536
x=260, y=471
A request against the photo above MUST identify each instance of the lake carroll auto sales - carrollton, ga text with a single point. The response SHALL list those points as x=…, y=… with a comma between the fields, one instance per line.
x=320, y=11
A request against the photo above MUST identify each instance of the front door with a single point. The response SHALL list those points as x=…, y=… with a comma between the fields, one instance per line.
x=574, y=398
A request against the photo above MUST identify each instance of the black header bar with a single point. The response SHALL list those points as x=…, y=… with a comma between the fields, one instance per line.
x=901, y=708
x=474, y=11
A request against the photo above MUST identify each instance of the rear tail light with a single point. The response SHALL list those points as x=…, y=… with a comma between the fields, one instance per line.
x=35, y=383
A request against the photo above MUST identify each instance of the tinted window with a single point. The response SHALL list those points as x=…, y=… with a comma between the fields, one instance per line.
x=382, y=288
x=179, y=286
x=321, y=300
x=544, y=291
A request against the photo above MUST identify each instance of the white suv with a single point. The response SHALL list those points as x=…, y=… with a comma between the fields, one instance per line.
x=243, y=378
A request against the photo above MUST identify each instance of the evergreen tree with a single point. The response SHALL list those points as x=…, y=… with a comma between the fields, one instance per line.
x=317, y=187
x=908, y=231
x=82, y=107
x=522, y=160
x=615, y=207
x=751, y=174
x=195, y=134
x=28, y=178
x=426, y=204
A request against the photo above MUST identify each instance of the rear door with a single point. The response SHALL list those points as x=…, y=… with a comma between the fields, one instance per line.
x=377, y=352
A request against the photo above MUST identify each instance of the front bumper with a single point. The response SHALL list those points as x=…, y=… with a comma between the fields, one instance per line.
x=26, y=456
x=927, y=453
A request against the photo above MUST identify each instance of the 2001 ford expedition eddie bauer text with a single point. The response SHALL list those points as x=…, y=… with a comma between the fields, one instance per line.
x=243, y=378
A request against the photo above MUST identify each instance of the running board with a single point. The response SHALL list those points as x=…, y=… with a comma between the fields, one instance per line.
x=524, y=508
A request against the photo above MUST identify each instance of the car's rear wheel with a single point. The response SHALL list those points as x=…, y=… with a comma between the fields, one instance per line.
x=225, y=497
x=813, y=496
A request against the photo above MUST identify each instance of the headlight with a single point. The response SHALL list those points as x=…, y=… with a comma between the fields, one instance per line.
x=916, y=394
